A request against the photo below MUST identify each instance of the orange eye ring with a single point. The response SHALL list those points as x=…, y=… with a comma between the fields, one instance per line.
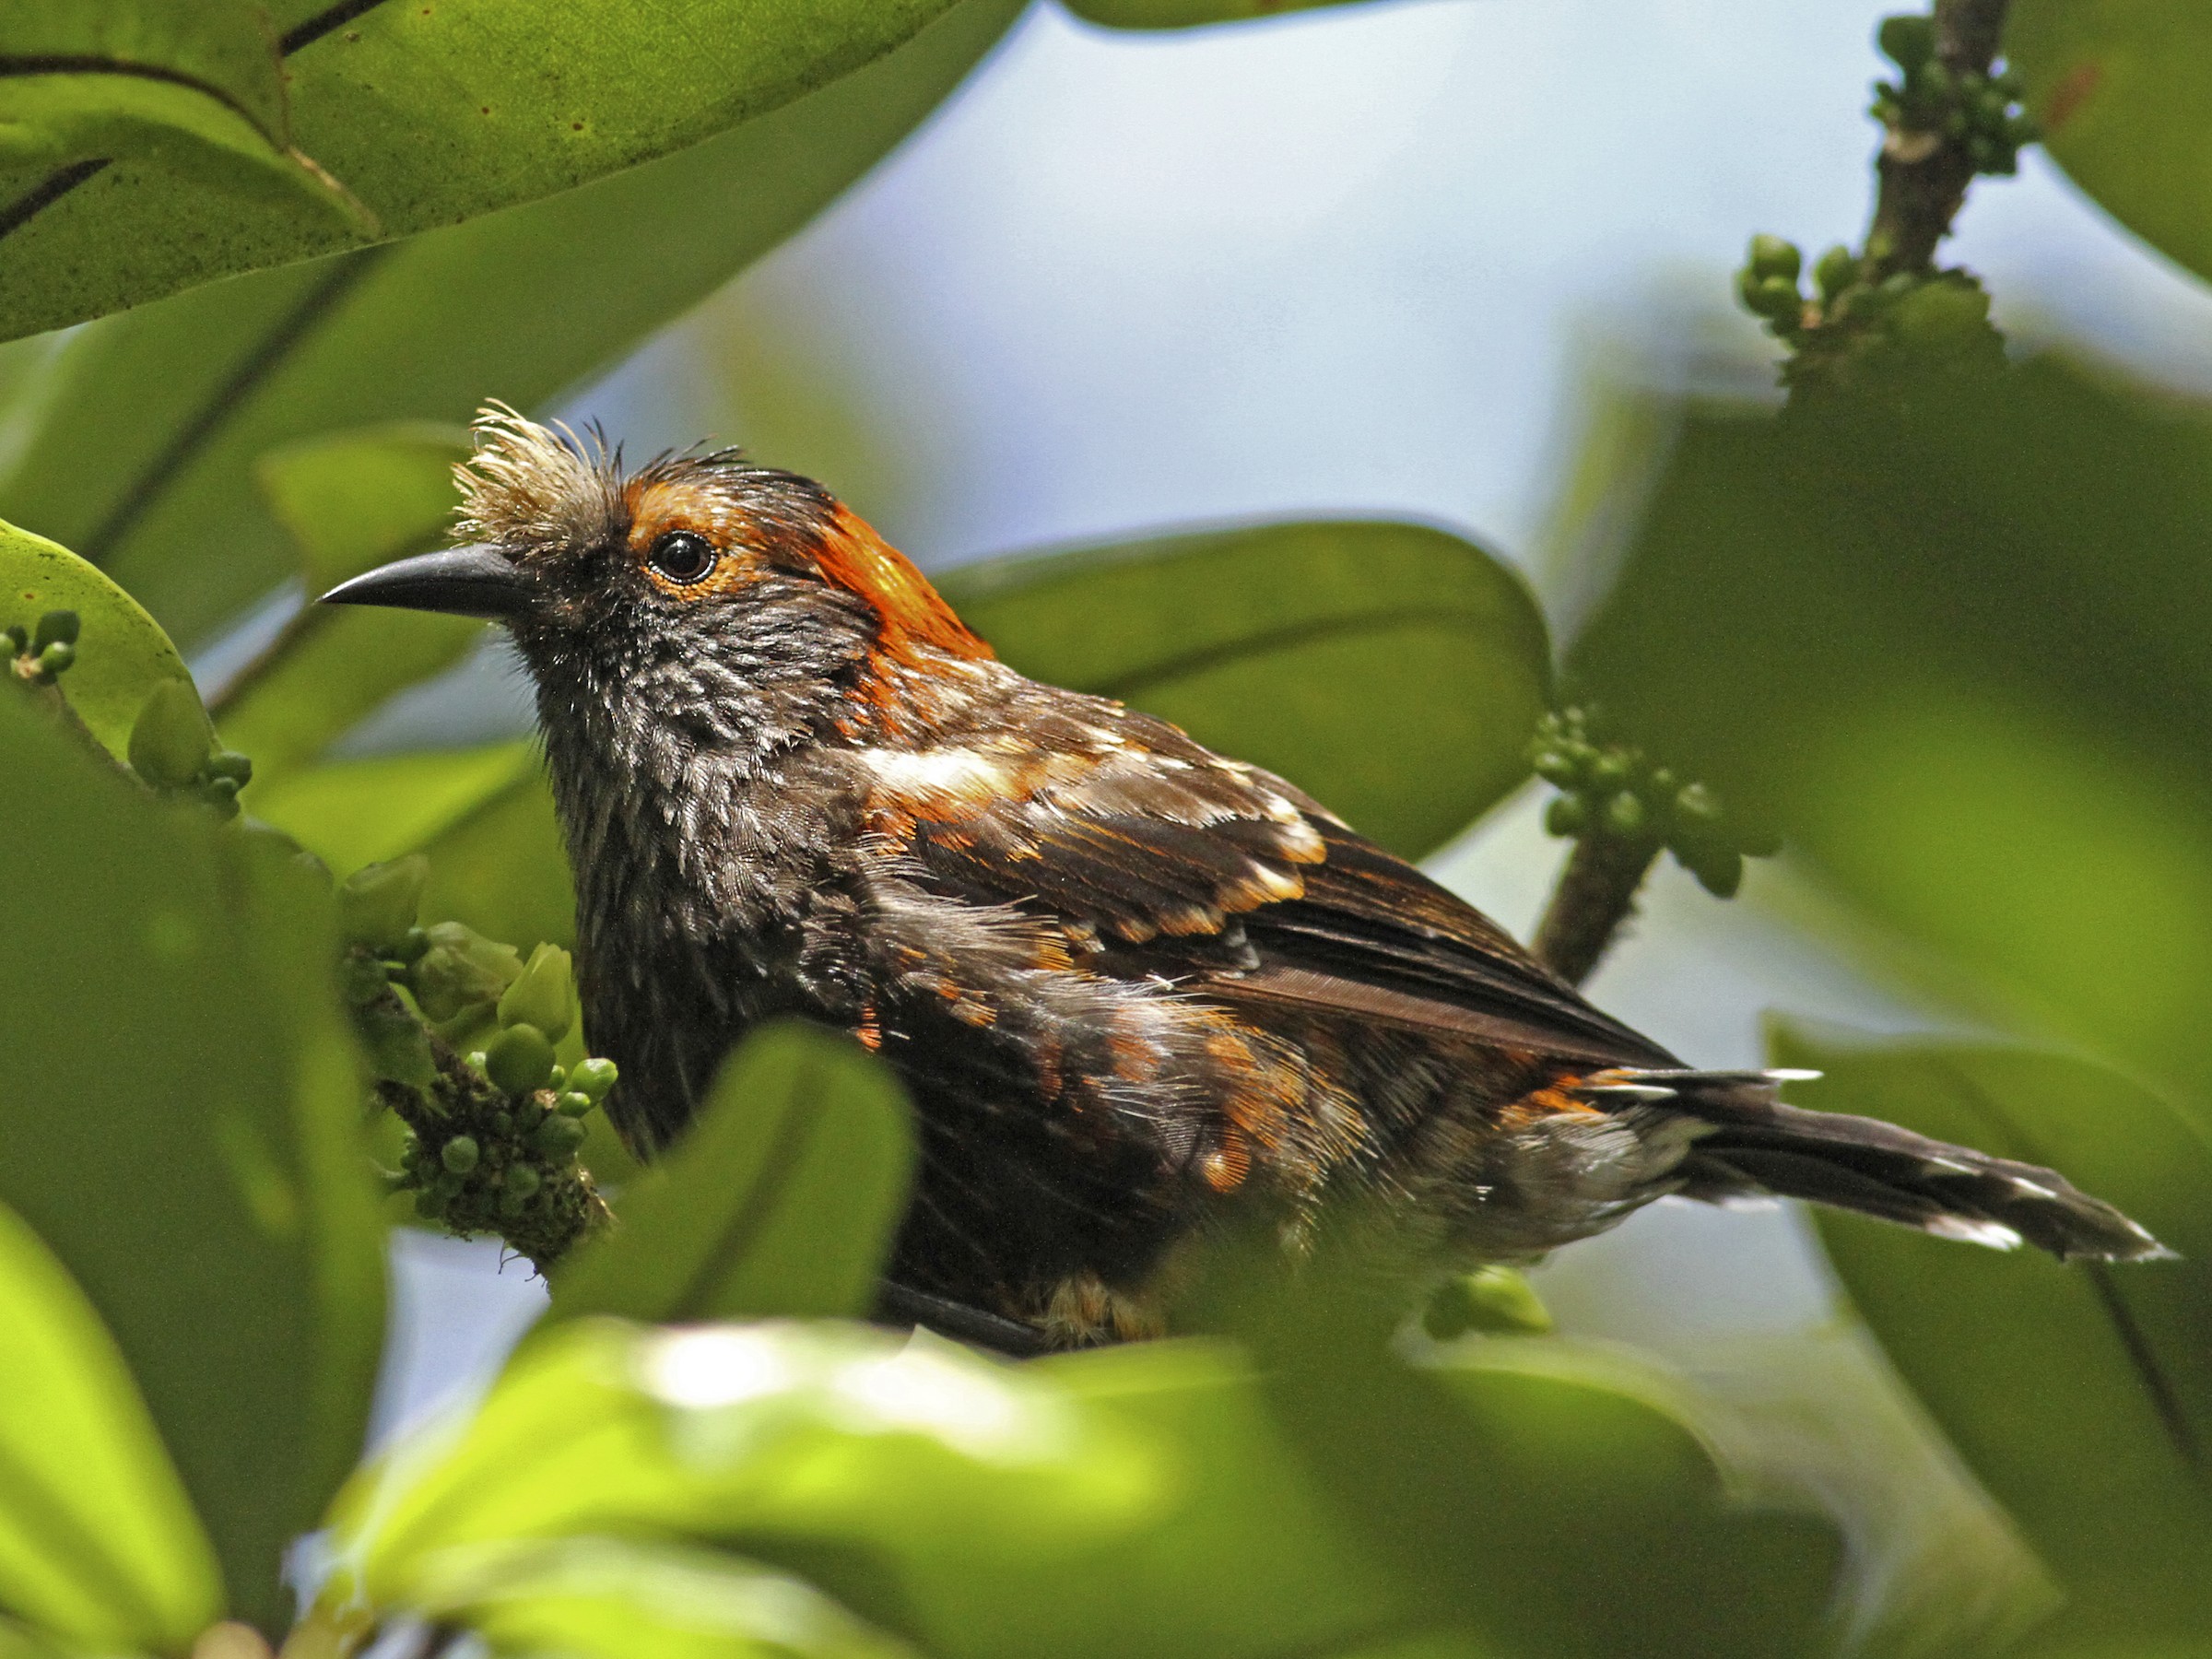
x=683, y=556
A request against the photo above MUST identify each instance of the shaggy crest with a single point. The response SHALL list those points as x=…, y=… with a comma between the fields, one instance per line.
x=528, y=485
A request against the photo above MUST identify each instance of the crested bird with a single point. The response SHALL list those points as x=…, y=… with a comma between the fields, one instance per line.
x=1133, y=987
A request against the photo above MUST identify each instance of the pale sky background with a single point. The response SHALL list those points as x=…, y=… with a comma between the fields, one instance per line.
x=1357, y=261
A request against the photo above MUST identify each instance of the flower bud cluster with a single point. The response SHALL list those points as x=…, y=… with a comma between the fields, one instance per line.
x=1611, y=791
x=1852, y=322
x=1979, y=113
x=172, y=749
x=44, y=652
x=492, y=1149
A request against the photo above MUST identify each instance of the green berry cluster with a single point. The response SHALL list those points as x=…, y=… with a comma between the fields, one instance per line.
x=1980, y=113
x=44, y=652
x=1611, y=791
x=493, y=1151
x=172, y=749
x=1852, y=322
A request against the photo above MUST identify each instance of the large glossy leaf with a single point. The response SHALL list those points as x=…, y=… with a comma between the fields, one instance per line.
x=823, y=1433
x=149, y=424
x=1959, y=650
x=615, y=1598
x=181, y=1124
x=484, y=816
x=2080, y=1395
x=2123, y=89
x=351, y=501
x=122, y=652
x=429, y=115
x=97, y=1541
x=1393, y=671
x=781, y=1199
x=193, y=92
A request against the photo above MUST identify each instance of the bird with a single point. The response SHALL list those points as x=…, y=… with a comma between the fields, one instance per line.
x=1137, y=991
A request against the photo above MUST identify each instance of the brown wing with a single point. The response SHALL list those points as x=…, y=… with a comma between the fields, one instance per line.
x=1178, y=862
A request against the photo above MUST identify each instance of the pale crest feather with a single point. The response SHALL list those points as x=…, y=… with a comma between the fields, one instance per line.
x=529, y=485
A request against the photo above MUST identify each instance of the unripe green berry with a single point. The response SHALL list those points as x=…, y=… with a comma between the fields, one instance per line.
x=1908, y=42
x=1566, y=815
x=229, y=763
x=170, y=739
x=1554, y=768
x=1777, y=299
x=1836, y=271
x=558, y=1137
x=572, y=1104
x=519, y=1060
x=220, y=791
x=1624, y=815
x=460, y=1154
x=520, y=1181
x=1695, y=804
x=1773, y=257
x=55, y=627
x=592, y=1079
x=14, y=640
x=56, y=659
x=1611, y=768
x=1719, y=870
x=460, y=968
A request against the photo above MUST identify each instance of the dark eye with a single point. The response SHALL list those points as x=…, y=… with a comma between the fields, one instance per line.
x=682, y=555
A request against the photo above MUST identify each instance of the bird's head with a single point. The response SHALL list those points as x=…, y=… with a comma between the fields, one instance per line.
x=692, y=580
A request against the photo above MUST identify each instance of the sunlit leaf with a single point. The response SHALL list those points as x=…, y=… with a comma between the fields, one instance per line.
x=150, y=423
x=350, y=501
x=430, y=115
x=97, y=1541
x=2123, y=89
x=1393, y=671
x=2080, y=1394
x=122, y=653
x=613, y=1598
x=781, y=1199
x=181, y=1124
x=825, y=1433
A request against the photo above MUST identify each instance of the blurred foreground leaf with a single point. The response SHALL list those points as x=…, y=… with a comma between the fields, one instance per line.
x=351, y=502
x=1392, y=671
x=148, y=425
x=617, y=1598
x=429, y=115
x=122, y=653
x=817, y=1433
x=2124, y=90
x=97, y=1541
x=1185, y=14
x=181, y=1124
x=1958, y=649
x=781, y=1200
x=2079, y=1394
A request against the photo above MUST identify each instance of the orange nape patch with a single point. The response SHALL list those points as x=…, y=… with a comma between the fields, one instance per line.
x=854, y=558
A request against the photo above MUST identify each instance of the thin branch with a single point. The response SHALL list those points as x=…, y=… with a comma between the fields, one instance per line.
x=1595, y=898
x=1924, y=174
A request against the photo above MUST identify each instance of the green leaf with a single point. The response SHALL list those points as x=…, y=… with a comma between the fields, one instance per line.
x=823, y=1433
x=97, y=1541
x=193, y=92
x=433, y=117
x=2122, y=88
x=483, y=816
x=122, y=653
x=782, y=1198
x=1959, y=650
x=2080, y=1394
x=1546, y=1502
x=1392, y=671
x=151, y=424
x=350, y=501
x=610, y=1598
x=1185, y=14
x=181, y=1124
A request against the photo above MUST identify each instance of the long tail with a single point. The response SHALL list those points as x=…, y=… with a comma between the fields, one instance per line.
x=1758, y=1145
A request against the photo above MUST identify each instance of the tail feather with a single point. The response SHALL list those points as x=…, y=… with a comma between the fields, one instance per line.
x=1757, y=1145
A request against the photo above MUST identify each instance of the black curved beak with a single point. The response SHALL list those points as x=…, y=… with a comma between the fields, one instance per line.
x=462, y=582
